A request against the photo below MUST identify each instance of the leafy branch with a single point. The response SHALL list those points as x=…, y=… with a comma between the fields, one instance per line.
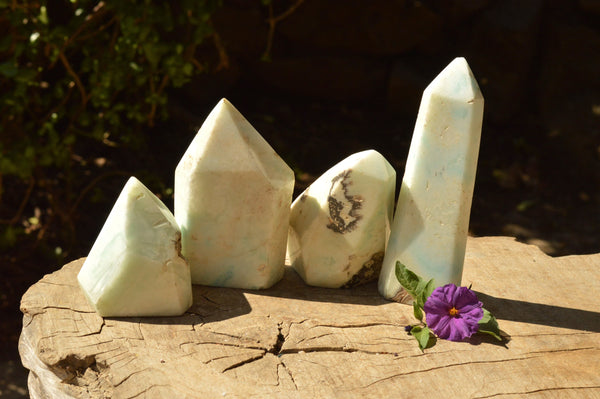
x=78, y=78
x=272, y=20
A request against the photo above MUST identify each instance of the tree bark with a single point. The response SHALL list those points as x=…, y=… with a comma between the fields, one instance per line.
x=296, y=341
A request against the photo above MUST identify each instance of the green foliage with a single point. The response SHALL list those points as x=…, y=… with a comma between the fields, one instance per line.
x=489, y=325
x=418, y=288
x=424, y=337
x=82, y=73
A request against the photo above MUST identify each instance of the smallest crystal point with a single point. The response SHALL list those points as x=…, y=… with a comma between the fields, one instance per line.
x=135, y=267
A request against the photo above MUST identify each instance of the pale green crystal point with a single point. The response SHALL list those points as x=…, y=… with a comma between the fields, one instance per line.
x=340, y=224
x=429, y=232
x=232, y=202
x=135, y=266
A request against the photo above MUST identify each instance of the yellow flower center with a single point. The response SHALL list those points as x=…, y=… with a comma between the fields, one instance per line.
x=453, y=311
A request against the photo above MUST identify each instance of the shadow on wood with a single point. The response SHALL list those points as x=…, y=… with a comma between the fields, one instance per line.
x=292, y=287
x=295, y=341
x=537, y=313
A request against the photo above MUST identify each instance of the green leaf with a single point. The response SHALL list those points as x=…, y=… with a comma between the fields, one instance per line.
x=429, y=287
x=409, y=280
x=43, y=16
x=418, y=288
x=9, y=236
x=489, y=325
x=525, y=205
x=9, y=69
x=422, y=335
x=423, y=291
x=418, y=311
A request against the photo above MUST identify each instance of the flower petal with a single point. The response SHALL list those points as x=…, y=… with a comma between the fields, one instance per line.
x=463, y=297
x=435, y=304
x=474, y=313
x=459, y=330
x=449, y=293
x=442, y=327
x=433, y=319
x=446, y=326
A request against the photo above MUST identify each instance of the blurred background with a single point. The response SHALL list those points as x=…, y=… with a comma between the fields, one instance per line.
x=93, y=92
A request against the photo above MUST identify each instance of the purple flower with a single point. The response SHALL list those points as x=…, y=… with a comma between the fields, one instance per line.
x=453, y=312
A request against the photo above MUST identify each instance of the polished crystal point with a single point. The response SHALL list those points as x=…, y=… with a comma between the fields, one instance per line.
x=339, y=225
x=232, y=202
x=135, y=266
x=429, y=232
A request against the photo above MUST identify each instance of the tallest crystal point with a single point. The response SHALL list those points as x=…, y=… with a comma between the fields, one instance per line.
x=232, y=201
x=429, y=232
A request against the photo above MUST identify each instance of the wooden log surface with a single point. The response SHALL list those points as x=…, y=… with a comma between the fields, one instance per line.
x=295, y=341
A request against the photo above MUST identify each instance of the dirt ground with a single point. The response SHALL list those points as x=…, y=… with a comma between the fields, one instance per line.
x=526, y=187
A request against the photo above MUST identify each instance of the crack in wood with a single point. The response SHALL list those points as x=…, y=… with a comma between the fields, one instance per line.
x=131, y=375
x=222, y=334
x=385, y=340
x=69, y=309
x=210, y=300
x=288, y=371
x=244, y=362
x=94, y=345
x=56, y=284
x=99, y=331
x=28, y=317
x=520, y=393
x=566, y=350
x=313, y=338
x=535, y=335
x=362, y=325
x=322, y=349
x=120, y=355
x=71, y=367
x=234, y=345
x=447, y=366
x=149, y=388
x=340, y=349
x=276, y=349
x=129, y=359
x=218, y=358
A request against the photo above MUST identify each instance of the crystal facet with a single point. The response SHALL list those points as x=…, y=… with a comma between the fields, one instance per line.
x=232, y=202
x=339, y=225
x=429, y=232
x=135, y=266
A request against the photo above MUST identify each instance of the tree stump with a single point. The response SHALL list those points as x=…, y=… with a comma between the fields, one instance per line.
x=296, y=341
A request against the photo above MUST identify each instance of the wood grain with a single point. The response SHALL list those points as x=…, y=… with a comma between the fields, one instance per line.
x=295, y=341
